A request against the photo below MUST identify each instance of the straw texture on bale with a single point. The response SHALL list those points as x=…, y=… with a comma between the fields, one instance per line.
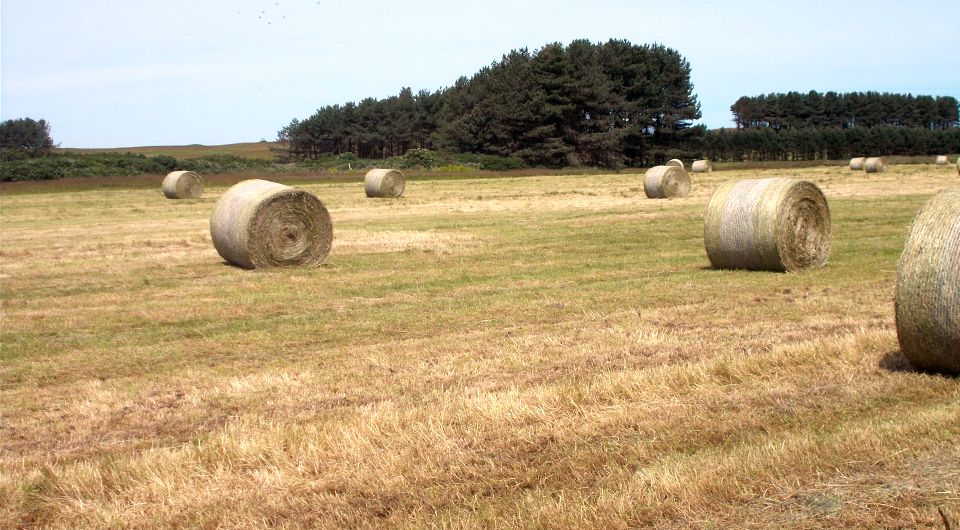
x=857, y=163
x=258, y=223
x=182, y=185
x=383, y=183
x=702, y=166
x=927, y=297
x=776, y=224
x=874, y=165
x=674, y=162
x=941, y=160
x=665, y=182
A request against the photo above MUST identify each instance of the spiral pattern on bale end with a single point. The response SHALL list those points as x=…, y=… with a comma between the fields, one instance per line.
x=258, y=223
x=776, y=224
x=874, y=164
x=856, y=164
x=701, y=166
x=927, y=297
x=383, y=183
x=675, y=162
x=941, y=160
x=666, y=182
x=182, y=185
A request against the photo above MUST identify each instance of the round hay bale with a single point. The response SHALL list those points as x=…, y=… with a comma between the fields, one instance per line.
x=874, y=164
x=702, y=166
x=258, y=223
x=666, y=182
x=182, y=185
x=941, y=160
x=675, y=162
x=776, y=224
x=927, y=296
x=856, y=164
x=383, y=183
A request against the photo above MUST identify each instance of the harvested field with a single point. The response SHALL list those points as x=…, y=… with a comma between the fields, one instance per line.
x=506, y=352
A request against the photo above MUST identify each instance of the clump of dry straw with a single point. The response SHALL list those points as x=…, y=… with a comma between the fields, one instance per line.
x=856, y=164
x=182, y=185
x=927, y=297
x=666, y=182
x=383, y=183
x=776, y=224
x=701, y=166
x=874, y=164
x=258, y=223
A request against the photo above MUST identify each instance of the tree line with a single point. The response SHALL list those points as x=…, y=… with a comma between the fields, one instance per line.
x=794, y=110
x=605, y=104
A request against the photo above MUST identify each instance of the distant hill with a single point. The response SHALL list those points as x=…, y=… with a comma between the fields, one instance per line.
x=255, y=150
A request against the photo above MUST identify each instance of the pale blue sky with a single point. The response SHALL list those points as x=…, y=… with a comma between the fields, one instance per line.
x=111, y=73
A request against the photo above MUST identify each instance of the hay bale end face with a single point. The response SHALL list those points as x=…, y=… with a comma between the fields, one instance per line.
x=927, y=296
x=775, y=224
x=258, y=223
x=666, y=182
x=942, y=160
x=383, y=183
x=182, y=185
x=675, y=162
x=874, y=165
x=856, y=164
x=702, y=166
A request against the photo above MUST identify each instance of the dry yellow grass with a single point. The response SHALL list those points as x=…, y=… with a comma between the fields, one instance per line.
x=529, y=352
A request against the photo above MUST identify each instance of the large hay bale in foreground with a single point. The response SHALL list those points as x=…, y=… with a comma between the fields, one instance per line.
x=776, y=224
x=383, y=183
x=675, y=162
x=927, y=297
x=941, y=160
x=874, y=164
x=702, y=166
x=258, y=223
x=182, y=185
x=666, y=182
x=856, y=164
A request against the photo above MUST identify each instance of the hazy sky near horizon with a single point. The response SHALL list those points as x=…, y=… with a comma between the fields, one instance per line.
x=111, y=73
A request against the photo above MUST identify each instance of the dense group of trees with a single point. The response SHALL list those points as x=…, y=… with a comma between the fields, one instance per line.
x=794, y=110
x=606, y=104
x=26, y=135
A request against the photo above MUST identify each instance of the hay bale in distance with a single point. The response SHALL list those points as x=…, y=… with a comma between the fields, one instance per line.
x=856, y=164
x=927, y=296
x=258, y=223
x=874, y=164
x=941, y=160
x=675, y=162
x=182, y=185
x=702, y=166
x=666, y=182
x=776, y=224
x=383, y=183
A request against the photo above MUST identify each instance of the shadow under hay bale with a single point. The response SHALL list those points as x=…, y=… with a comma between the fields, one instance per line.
x=388, y=183
x=666, y=182
x=927, y=296
x=258, y=223
x=182, y=185
x=775, y=224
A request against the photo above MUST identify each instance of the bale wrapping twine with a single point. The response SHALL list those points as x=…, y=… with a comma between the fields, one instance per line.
x=674, y=162
x=665, y=182
x=874, y=165
x=857, y=163
x=383, y=183
x=776, y=224
x=941, y=160
x=182, y=185
x=702, y=166
x=927, y=297
x=258, y=223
